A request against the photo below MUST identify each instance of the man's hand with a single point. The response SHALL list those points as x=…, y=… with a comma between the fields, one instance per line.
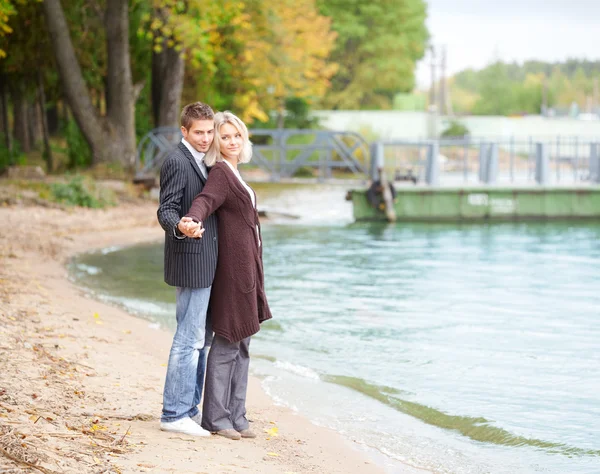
x=189, y=228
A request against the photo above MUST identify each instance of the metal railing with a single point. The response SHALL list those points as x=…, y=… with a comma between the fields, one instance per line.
x=512, y=160
x=280, y=152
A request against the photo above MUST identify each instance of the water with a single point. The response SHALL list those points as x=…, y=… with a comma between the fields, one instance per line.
x=452, y=348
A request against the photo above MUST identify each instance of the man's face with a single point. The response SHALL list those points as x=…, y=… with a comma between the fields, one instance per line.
x=200, y=134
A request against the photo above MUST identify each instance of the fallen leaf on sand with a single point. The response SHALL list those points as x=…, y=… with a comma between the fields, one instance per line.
x=275, y=455
x=272, y=431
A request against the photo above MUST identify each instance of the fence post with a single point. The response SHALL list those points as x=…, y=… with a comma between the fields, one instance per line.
x=594, y=163
x=483, y=161
x=377, y=160
x=541, y=163
x=372, y=164
x=282, y=157
x=432, y=169
x=491, y=169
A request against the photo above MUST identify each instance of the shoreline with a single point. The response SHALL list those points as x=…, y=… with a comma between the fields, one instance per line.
x=83, y=378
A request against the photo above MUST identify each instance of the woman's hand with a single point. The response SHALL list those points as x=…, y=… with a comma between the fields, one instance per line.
x=189, y=228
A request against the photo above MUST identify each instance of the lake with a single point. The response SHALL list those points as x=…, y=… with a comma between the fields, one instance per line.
x=455, y=348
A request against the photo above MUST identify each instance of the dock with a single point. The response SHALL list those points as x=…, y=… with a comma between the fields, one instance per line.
x=483, y=204
x=545, y=181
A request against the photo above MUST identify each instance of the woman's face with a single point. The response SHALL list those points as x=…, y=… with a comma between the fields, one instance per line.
x=231, y=141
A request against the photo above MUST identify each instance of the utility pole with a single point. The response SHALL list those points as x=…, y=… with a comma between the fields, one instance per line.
x=445, y=107
x=432, y=112
x=443, y=90
x=432, y=94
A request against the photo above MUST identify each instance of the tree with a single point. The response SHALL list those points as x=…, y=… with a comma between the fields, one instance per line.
x=266, y=53
x=378, y=44
x=501, y=89
x=111, y=137
x=294, y=49
x=6, y=10
x=24, y=70
x=179, y=34
x=497, y=95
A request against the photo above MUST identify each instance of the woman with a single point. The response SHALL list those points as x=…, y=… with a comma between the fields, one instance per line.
x=238, y=303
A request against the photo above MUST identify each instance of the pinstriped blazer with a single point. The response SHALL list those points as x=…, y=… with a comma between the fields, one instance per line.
x=189, y=263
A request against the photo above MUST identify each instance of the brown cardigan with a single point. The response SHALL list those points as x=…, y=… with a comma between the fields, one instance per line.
x=238, y=303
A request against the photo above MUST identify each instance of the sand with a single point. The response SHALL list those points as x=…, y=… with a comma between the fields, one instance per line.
x=81, y=381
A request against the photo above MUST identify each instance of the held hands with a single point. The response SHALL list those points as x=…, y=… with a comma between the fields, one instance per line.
x=189, y=228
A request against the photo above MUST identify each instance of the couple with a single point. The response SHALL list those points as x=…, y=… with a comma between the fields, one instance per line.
x=213, y=254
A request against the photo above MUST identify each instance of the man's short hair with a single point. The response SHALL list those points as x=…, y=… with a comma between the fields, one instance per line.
x=195, y=111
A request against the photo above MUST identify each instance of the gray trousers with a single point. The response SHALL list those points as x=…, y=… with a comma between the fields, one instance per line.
x=226, y=385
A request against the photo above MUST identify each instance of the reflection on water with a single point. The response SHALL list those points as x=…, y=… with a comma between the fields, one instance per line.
x=459, y=348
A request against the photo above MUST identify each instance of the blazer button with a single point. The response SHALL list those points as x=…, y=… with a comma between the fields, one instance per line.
x=214, y=239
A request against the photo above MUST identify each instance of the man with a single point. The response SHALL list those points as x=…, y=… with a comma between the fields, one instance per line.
x=190, y=267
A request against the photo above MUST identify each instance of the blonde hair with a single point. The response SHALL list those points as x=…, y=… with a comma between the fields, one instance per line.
x=214, y=152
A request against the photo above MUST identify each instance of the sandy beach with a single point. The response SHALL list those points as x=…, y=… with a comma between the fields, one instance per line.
x=81, y=381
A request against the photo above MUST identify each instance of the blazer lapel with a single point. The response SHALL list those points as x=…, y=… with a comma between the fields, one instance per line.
x=189, y=156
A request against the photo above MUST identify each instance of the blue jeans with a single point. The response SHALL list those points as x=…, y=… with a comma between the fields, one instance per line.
x=187, y=360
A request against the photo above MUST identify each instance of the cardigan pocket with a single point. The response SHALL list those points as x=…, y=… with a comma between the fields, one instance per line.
x=245, y=278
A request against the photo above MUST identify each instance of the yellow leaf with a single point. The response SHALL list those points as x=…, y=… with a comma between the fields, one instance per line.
x=96, y=316
x=272, y=432
x=275, y=455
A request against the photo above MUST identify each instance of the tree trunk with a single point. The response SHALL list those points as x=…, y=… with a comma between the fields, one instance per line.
x=46, y=135
x=20, y=113
x=158, y=68
x=168, y=69
x=34, y=122
x=281, y=114
x=4, y=101
x=120, y=106
x=112, y=138
x=52, y=118
x=2, y=119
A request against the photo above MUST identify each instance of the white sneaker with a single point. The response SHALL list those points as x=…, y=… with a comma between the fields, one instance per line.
x=197, y=418
x=185, y=425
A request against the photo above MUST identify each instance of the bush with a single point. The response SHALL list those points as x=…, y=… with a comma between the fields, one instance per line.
x=78, y=192
x=304, y=172
x=455, y=129
x=297, y=115
x=11, y=157
x=78, y=150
